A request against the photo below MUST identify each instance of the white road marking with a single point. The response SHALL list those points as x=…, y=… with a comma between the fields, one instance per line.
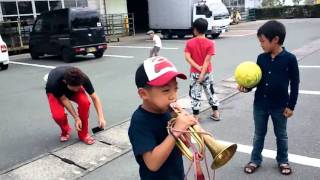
x=142, y=47
x=300, y=92
x=34, y=65
x=236, y=35
x=309, y=66
x=118, y=56
x=309, y=92
x=298, y=159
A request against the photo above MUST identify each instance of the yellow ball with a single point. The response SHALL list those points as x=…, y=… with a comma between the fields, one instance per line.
x=248, y=74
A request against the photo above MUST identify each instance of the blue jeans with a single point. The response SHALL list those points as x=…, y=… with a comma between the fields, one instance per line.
x=261, y=116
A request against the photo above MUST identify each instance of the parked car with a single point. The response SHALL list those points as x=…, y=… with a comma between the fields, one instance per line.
x=4, y=55
x=68, y=32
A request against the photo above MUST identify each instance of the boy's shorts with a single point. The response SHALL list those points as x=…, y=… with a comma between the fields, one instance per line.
x=154, y=51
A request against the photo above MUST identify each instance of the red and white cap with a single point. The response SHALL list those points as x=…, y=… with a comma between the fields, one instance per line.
x=160, y=71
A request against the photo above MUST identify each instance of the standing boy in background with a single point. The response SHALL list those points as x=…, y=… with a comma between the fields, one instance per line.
x=198, y=53
x=157, y=43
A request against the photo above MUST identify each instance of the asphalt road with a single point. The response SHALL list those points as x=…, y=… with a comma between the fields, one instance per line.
x=27, y=129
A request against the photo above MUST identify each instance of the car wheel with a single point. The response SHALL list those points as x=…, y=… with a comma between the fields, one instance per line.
x=167, y=35
x=4, y=66
x=98, y=54
x=34, y=54
x=181, y=36
x=67, y=55
x=215, y=35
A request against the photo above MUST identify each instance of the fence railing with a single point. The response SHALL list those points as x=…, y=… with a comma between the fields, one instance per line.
x=16, y=34
x=118, y=25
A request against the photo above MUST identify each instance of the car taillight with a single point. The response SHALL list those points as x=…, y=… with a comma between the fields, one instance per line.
x=102, y=46
x=4, y=48
x=79, y=49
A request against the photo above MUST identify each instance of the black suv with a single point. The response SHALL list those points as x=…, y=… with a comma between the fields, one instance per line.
x=67, y=32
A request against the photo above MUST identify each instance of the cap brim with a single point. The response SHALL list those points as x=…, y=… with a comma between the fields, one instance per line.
x=166, y=78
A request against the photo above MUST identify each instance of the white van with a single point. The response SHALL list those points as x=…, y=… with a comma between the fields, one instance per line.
x=221, y=17
x=4, y=55
x=175, y=17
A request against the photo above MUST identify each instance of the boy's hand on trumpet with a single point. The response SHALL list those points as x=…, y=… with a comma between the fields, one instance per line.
x=183, y=121
x=186, y=139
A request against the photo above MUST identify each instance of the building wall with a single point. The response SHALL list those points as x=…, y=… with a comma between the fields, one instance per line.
x=116, y=6
x=252, y=3
x=109, y=6
x=11, y=10
x=95, y=4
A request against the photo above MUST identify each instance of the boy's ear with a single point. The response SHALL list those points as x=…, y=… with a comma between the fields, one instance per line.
x=143, y=93
x=276, y=39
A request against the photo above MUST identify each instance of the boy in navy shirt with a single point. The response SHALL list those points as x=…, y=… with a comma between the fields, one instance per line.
x=153, y=147
x=279, y=69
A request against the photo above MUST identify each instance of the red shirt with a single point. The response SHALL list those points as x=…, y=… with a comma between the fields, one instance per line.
x=199, y=48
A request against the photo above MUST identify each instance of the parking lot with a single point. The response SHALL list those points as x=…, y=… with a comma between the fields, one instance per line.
x=28, y=131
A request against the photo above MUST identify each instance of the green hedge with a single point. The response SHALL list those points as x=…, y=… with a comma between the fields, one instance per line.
x=307, y=11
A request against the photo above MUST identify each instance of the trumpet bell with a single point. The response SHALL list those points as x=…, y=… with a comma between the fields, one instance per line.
x=220, y=153
x=223, y=156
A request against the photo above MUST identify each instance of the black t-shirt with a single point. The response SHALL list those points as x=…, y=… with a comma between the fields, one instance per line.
x=56, y=85
x=147, y=130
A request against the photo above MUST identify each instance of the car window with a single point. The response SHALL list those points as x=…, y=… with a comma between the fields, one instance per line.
x=38, y=25
x=43, y=24
x=85, y=19
x=60, y=23
x=202, y=10
x=46, y=23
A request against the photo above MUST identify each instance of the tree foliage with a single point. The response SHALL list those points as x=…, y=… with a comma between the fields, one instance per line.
x=296, y=2
x=272, y=3
x=308, y=2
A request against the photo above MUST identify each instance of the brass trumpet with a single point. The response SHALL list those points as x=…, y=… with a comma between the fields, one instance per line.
x=221, y=153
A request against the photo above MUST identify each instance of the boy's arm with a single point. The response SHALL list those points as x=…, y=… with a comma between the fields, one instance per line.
x=66, y=103
x=191, y=61
x=154, y=159
x=210, y=51
x=294, y=83
x=98, y=106
x=204, y=67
